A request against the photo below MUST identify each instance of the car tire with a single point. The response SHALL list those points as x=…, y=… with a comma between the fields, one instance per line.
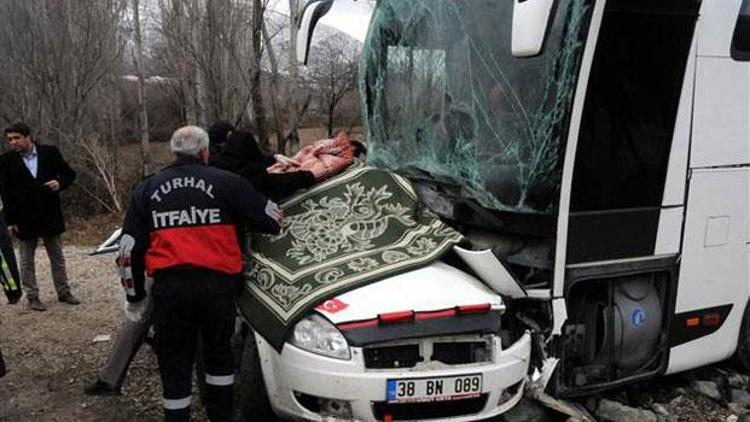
x=742, y=354
x=251, y=401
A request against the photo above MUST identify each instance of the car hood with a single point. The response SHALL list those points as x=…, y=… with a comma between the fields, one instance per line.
x=431, y=288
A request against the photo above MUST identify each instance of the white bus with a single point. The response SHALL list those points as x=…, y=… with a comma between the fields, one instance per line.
x=595, y=154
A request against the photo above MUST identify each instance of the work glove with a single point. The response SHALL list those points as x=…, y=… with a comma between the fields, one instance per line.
x=138, y=311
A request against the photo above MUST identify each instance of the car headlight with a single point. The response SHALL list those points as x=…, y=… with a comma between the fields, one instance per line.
x=316, y=334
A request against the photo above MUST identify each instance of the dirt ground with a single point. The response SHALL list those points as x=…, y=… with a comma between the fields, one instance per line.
x=52, y=355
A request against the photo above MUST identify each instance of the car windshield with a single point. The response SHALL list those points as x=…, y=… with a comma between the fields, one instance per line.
x=444, y=96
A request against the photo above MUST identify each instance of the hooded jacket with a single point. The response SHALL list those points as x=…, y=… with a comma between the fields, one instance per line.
x=242, y=156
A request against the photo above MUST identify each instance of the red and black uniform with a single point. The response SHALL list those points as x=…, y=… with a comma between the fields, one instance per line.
x=182, y=229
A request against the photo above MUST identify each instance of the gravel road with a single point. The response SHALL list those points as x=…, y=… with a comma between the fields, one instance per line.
x=52, y=355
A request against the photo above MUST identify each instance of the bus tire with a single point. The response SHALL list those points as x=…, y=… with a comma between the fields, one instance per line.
x=251, y=401
x=742, y=354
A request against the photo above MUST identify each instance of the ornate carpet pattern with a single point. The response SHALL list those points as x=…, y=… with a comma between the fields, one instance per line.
x=357, y=228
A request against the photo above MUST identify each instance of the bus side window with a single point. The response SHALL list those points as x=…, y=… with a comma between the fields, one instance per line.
x=741, y=39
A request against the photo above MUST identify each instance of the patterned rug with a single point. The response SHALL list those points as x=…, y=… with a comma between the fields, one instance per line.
x=359, y=227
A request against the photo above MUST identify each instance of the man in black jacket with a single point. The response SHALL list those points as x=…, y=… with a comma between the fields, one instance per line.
x=32, y=177
x=182, y=229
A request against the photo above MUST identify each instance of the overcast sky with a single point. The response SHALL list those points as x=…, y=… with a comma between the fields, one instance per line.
x=348, y=16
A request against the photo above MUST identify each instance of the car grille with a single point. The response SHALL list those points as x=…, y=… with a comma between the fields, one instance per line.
x=405, y=356
x=449, y=351
x=432, y=410
x=458, y=353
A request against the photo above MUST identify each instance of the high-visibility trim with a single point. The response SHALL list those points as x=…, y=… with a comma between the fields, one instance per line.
x=219, y=380
x=175, y=404
x=7, y=274
x=213, y=247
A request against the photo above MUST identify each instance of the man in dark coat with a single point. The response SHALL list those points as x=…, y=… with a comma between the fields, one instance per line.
x=32, y=177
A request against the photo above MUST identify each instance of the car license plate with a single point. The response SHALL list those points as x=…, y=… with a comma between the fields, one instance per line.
x=433, y=389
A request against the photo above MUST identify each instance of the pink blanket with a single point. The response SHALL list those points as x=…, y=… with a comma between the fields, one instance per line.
x=324, y=158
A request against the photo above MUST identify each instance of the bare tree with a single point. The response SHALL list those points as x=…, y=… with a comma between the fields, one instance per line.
x=62, y=58
x=220, y=44
x=295, y=114
x=256, y=96
x=273, y=83
x=143, y=113
x=333, y=73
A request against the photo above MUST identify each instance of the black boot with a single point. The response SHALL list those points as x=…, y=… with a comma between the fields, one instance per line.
x=220, y=400
x=3, y=370
x=101, y=388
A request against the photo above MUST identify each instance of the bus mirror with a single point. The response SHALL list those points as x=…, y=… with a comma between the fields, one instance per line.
x=311, y=14
x=530, y=18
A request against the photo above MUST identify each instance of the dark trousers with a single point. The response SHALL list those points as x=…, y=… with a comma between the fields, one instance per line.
x=3, y=370
x=188, y=303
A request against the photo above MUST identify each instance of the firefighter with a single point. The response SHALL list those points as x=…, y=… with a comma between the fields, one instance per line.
x=182, y=228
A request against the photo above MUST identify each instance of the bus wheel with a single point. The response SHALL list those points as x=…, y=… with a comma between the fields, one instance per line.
x=742, y=355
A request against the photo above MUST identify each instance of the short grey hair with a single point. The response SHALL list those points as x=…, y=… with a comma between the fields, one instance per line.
x=188, y=140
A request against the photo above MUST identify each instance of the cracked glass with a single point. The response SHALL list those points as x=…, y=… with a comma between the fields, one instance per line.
x=444, y=97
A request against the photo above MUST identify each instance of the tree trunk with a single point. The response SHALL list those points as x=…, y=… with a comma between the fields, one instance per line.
x=188, y=105
x=294, y=112
x=142, y=106
x=197, y=72
x=274, y=88
x=331, y=109
x=259, y=108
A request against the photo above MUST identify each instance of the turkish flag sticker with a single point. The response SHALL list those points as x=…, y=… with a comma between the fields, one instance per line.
x=332, y=306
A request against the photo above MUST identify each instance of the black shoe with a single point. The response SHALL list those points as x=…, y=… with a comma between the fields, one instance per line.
x=69, y=299
x=3, y=370
x=37, y=305
x=101, y=388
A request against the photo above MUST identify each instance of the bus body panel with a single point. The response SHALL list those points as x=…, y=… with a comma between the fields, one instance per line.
x=714, y=268
x=674, y=187
x=721, y=127
x=716, y=26
x=669, y=232
x=715, y=264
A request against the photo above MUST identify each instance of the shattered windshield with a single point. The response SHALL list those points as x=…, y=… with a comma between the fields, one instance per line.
x=444, y=96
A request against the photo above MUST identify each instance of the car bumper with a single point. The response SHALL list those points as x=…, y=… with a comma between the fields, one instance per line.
x=349, y=385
